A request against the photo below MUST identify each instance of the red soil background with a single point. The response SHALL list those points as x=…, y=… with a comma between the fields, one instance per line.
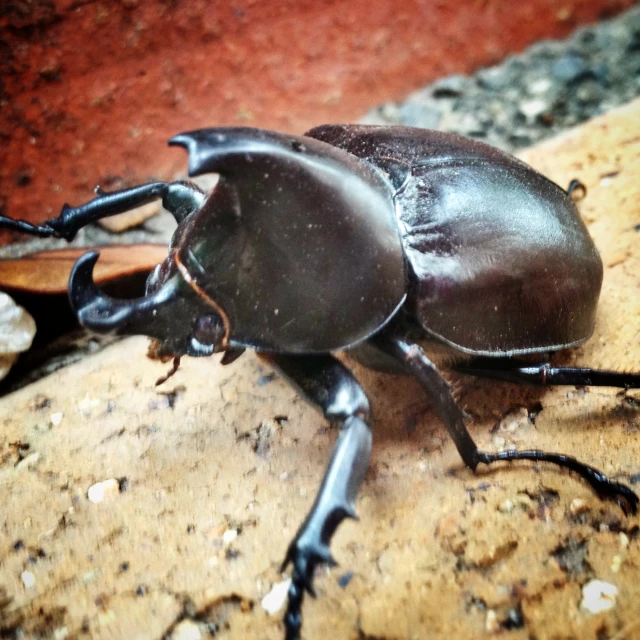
x=90, y=90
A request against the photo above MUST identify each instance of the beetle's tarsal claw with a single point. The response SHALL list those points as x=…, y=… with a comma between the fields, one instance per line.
x=605, y=488
x=626, y=499
x=305, y=559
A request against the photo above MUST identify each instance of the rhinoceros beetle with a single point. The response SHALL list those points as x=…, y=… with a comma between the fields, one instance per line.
x=390, y=243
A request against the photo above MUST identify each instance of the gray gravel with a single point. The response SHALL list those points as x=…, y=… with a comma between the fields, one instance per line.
x=550, y=87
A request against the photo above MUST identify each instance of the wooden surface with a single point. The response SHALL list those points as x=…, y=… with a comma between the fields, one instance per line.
x=438, y=552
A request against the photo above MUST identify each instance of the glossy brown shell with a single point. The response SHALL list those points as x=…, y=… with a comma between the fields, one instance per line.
x=501, y=262
x=297, y=247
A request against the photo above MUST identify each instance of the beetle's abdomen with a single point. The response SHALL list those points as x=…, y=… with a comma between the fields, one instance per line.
x=501, y=262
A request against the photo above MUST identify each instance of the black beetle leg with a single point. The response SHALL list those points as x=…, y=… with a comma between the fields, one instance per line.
x=326, y=383
x=544, y=374
x=177, y=197
x=416, y=362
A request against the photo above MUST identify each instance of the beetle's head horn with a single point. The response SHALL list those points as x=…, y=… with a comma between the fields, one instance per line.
x=170, y=313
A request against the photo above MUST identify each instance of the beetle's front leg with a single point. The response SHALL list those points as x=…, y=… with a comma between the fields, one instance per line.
x=327, y=384
x=179, y=198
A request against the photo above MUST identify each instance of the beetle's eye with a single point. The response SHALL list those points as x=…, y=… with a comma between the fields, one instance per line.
x=209, y=330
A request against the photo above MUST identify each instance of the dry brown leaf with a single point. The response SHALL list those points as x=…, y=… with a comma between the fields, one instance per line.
x=48, y=271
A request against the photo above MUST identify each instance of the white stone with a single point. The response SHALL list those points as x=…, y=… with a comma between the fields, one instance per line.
x=506, y=506
x=55, y=418
x=578, y=506
x=29, y=462
x=598, y=596
x=186, y=630
x=273, y=601
x=229, y=536
x=533, y=108
x=101, y=490
x=28, y=579
x=616, y=563
x=17, y=330
x=491, y=623
x=540, y=86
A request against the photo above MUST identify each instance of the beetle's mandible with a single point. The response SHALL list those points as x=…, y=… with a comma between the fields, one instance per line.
x=399, y=245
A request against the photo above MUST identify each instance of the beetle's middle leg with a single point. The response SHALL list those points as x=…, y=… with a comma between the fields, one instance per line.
x=330, y=386
x=180, y=198
x=416, y=362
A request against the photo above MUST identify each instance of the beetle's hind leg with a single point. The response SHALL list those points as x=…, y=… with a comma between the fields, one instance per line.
x=180, y=198
x=327, y=384
x=545, y=374
x=416, y=362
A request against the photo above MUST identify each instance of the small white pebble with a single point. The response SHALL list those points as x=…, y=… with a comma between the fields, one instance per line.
x=101, y=490
x=491, y=623
x=598, y=596
x=60, y=633
x=273, y=601
x=578, y=506
x=506, y=506
x=524, y=501
x=570, y=395
x=29, y=462
x=540, y=86
x=87, y=404
x=616, y=563
x=28, y=579
x=422, y=467
x=89, y=576
x=624, y=540
x=106, y=617
x=186, y=630
x=213, y=561
x=514, y=420
x=55, y=418
x=229, y=536
x=499, y=442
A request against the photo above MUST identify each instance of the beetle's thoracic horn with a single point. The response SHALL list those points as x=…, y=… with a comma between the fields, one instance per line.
x=104, y=314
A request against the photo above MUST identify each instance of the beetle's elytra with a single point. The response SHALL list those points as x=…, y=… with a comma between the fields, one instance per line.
x=390, y=242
